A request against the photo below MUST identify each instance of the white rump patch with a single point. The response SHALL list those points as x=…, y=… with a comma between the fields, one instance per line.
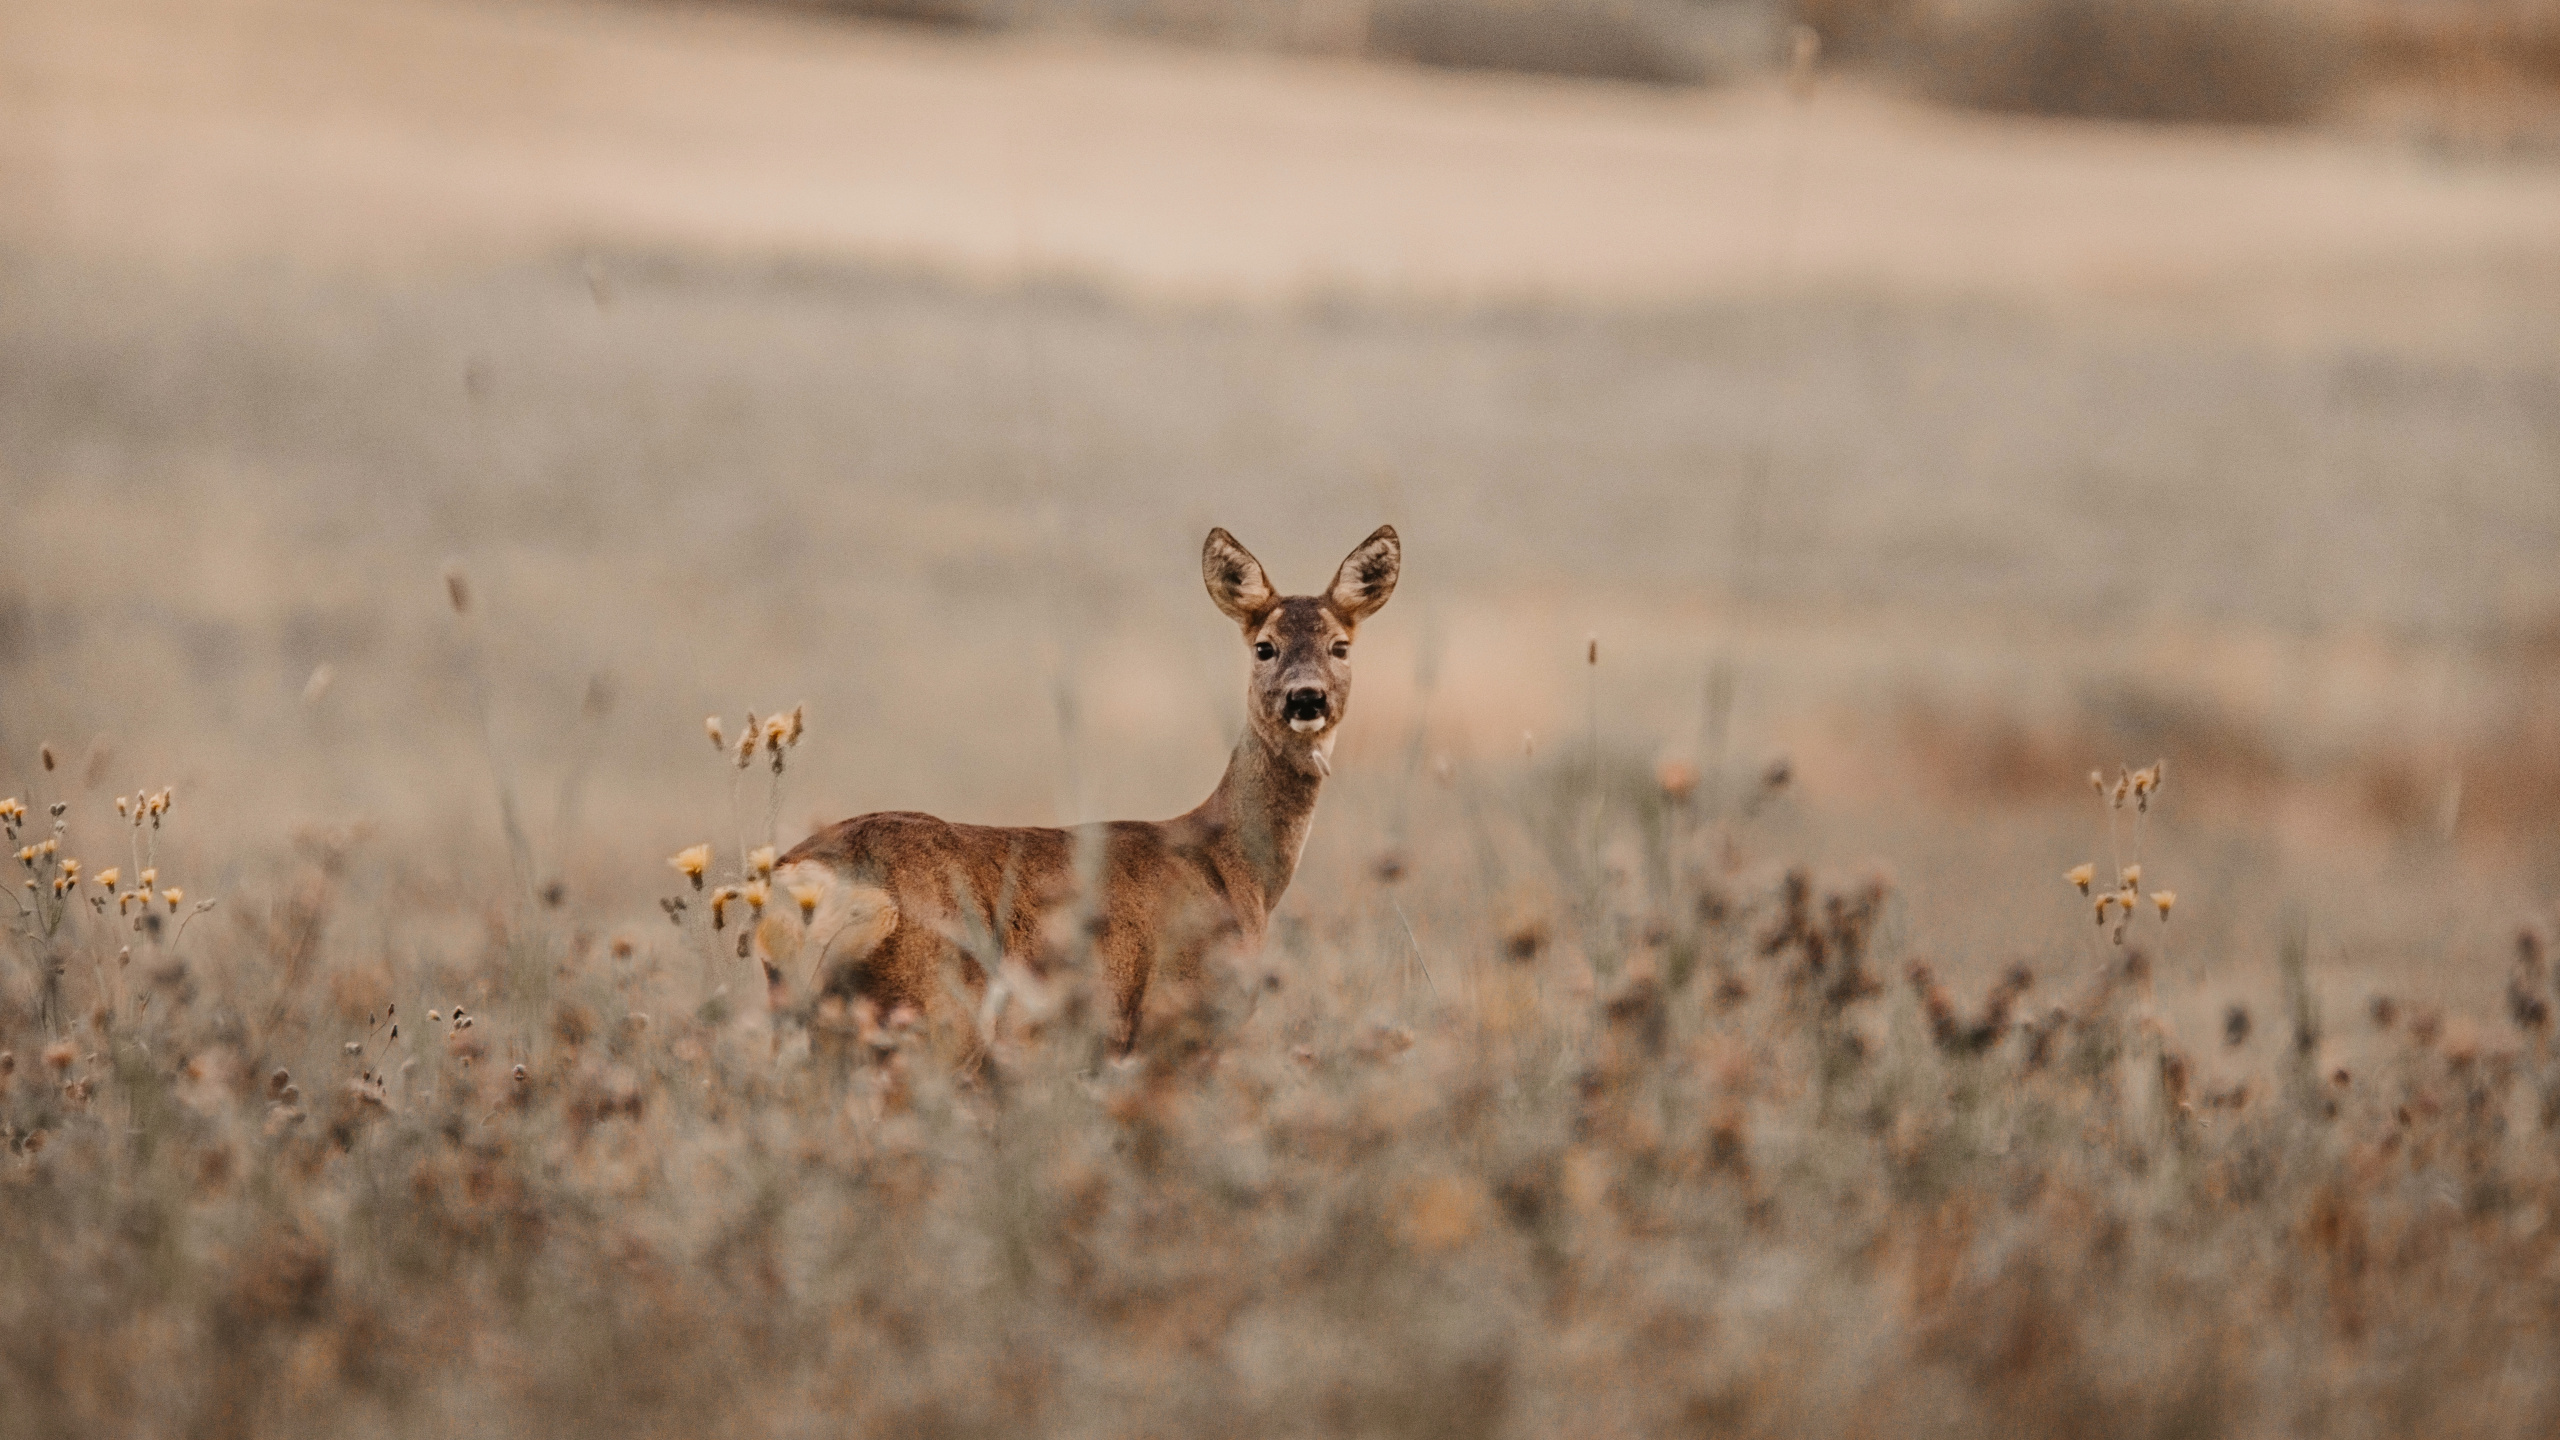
x=844, y=921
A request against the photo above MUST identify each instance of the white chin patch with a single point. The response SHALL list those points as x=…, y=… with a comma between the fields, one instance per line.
x=1306, y=727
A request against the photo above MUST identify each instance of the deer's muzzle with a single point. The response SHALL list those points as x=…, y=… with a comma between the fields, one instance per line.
x=1306, y=709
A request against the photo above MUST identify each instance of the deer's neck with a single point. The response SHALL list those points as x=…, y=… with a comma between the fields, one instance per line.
x=1261, y=812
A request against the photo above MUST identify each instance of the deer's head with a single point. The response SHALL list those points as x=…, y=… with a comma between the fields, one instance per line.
x=1301, y=644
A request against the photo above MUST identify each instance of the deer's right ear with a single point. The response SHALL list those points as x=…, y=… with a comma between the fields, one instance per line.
x=1236, y=581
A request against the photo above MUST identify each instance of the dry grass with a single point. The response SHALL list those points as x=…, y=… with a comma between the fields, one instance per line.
x=1676, y=1137
x=1620, y=1102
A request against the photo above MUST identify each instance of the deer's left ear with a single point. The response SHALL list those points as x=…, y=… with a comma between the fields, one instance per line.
x=1367, y=577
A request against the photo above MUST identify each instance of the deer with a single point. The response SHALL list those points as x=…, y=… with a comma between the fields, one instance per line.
x=891, y=903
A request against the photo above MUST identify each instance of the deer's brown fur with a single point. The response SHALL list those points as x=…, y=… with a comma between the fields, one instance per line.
x=898, y=899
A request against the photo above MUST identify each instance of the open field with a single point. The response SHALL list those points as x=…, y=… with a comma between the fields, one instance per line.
x=733, y=360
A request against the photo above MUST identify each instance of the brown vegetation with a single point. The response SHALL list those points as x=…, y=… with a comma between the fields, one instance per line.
x=1687, y=1152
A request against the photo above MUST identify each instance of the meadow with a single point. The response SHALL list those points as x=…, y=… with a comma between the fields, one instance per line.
x=1692, y=1014
x=1635, y=1055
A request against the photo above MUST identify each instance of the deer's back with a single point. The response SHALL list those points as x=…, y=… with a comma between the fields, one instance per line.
x=912, y=893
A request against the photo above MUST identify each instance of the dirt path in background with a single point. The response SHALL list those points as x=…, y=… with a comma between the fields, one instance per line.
x=392, y=133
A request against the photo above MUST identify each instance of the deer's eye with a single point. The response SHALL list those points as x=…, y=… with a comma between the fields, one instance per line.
x=1264, y=650
x=1341, y=649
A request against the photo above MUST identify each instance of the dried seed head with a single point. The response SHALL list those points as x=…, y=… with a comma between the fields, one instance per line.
x=711, y=727
x=799, y=718
x=2167, y=900
x=806, y=897
x=2131, y=879
x=745, y=753
x=2082, y=875
x=760, y=860
x=109, y=877
x=175, y=897
x=756, y=893
x=690, y=862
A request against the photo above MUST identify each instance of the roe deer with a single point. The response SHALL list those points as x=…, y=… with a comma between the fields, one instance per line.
x=889, y=901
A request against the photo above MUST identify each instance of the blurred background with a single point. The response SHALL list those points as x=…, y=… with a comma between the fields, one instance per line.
x=1976, y=395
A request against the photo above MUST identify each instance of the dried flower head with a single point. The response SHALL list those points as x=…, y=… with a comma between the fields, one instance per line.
x=2167, y=900
x=806, y=897
x=760, y=860
x=720, y=899
x=109, y=878
x=690, y=862
x=175, y=897
x=798, y=720
x=2131, y=879
x=711, y=727
x=756, y=893
x=2082, y=875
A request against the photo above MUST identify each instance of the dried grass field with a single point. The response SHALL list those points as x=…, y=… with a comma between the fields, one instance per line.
x=1685, y=1019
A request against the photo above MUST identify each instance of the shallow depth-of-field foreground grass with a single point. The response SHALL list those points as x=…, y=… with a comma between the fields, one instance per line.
x=1641, y=1129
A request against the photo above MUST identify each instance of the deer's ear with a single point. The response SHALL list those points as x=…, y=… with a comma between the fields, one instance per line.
x=1236, y=581
x=1367, y=577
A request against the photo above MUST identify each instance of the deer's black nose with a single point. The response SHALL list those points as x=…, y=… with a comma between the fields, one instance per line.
x=1306, y=703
